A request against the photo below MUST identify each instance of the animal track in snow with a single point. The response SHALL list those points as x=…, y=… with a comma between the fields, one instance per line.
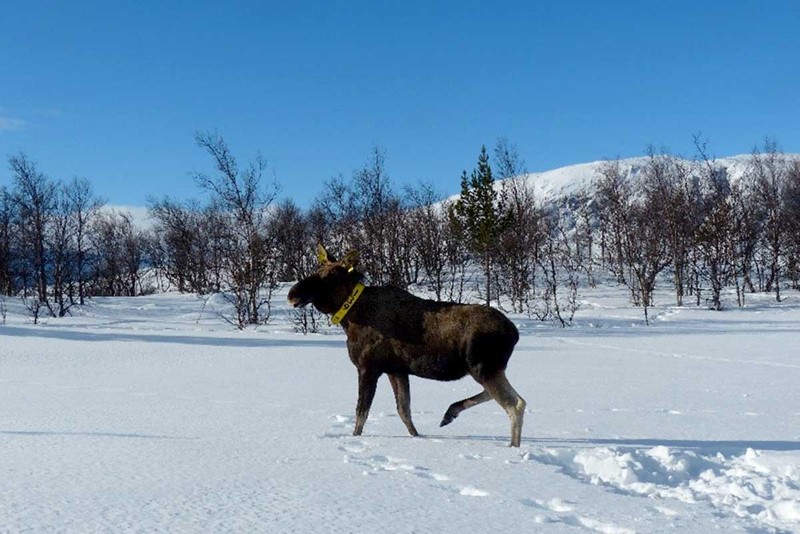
x=475, y=456
x=358, y=452
x=669, y=512
x=597, y=526
x=342, y=419
x=473, y=492
x=556, y=505
x=354, y=447
x=341, y=427
x=377, y=464
x=562, y=510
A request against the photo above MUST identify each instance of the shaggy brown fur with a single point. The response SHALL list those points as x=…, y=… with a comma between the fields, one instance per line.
x=391, y=331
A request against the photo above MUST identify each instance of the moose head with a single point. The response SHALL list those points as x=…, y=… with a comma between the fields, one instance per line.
x=330, y=286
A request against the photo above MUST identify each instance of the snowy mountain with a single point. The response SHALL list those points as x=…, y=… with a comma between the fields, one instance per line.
x=571, y=180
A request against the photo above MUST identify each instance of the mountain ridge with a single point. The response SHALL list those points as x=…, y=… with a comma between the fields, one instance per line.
x=572, y=179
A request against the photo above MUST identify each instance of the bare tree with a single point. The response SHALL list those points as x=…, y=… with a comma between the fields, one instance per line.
x=119, y=255
x=334, y=216
x=672, y=195
x=768, y=176
x=34, y=306
x=520, y=244
x=294, y=242
x=374, y=199
x=792, y=201
x=714, y=236
x=427, y=220
x=6, y=242
x=387, y=255
x=744, y=239
x=244, y=198
x=366, y=213
x=35, y=199
x=637, y=247
x=508, y=162
x=613, y=195
x=521, y=239
x=60, y=244
x=186, y=244
x=82, y=206
x=560, y=264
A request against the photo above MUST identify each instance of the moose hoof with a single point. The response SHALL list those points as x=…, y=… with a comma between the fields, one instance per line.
x=448, y=418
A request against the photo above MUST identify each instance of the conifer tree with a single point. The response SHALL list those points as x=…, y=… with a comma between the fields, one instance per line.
x=479, y=216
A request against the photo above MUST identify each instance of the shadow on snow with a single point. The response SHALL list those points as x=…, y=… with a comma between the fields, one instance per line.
x=84, y=335
x=90, y=434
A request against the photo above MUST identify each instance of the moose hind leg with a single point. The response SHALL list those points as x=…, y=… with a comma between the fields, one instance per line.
x=514, y=405
x=458, y=407
x=402, y=396
x=367, y=383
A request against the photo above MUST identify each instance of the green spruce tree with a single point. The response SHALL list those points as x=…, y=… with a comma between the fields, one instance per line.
x=479, y=216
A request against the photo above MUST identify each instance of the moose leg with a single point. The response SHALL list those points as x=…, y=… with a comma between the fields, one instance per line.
x=367, y=383
x=458, y=407
x=514, y=405
x=402, y=395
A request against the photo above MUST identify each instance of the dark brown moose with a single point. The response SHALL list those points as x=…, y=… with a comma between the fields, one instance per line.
x=391, y=331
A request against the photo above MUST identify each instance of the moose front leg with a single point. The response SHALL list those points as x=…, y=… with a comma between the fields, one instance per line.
x=367, y=383
x=402, y=396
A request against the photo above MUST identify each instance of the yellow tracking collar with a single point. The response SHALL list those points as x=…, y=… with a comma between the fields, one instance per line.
x=339, y=315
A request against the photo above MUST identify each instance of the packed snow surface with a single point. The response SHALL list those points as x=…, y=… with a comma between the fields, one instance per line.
x=150, y=414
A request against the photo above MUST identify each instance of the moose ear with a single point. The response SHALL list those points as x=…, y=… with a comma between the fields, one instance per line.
x=322, y=255
x=351, y=260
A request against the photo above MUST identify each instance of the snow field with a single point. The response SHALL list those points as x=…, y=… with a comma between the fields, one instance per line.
x=147, y=415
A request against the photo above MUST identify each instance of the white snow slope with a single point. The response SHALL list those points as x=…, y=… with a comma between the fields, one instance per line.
x=147, y=415
x=579, y=178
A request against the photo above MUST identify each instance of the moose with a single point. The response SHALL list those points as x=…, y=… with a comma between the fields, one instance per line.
x=390, y=331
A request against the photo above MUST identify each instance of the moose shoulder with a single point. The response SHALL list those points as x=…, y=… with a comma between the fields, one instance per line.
x=390, y=331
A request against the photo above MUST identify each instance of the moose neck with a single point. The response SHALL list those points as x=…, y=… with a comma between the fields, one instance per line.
x=348, y=304
x=337, y=298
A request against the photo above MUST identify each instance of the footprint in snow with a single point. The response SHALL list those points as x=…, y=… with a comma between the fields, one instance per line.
x=475, y=456
x=354, y=447
x=669, y=512
x=471, y=491
x=341, y=420
x=341, y=423
x=382, y=464
x=563, y=509
x=557, y=505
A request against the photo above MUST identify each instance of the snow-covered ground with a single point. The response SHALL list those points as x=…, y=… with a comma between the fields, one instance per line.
x=149, y=414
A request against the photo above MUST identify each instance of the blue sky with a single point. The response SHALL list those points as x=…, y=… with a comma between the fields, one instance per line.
x=115, y=91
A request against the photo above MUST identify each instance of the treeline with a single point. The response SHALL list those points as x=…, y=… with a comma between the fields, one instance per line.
x=664, y=218
x=58, y=248
x=707, y=232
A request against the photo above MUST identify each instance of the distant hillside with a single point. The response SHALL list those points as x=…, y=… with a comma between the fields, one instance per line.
x=570, y=180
